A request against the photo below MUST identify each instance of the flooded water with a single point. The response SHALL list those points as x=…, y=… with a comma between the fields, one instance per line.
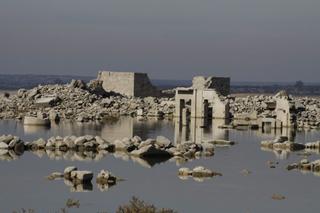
x=23, y=183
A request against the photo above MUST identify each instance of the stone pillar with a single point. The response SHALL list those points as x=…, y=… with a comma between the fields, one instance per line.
x=194, y=104
x=180, y=104
x=184, y=116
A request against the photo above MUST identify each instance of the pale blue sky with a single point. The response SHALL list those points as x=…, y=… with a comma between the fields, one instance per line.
x=248, y=40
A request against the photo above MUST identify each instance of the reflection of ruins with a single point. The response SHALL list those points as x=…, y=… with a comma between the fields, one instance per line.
x=129, y=127
x=267, y=131
x=203, y=99
x=200, y=109
x=283, y=113
x=199, y=130
x=280, y=154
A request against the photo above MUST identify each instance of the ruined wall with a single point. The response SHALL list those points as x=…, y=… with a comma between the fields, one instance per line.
x=127, y=83
x=220, y=84
x=143, y=86
x=119, y=82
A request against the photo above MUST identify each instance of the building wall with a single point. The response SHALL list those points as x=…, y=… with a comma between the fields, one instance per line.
x=118, y=82
x=222, y=85
x=143, y=86
x=127, y=83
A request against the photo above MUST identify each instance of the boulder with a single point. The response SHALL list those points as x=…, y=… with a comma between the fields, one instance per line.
x=121, y=145
x=80, y=141
x=140, y=112
x=184, y=172
x=47, y=101
x=38, y=144
x=105, y=177
x=82, y=176
x=6, y=138
x=77, y=84
x=163, y=141
x=67, y=171
x=100, y=140
x=147, y=143
x=3, y=145
x=200, y=171
x=14, y=142
x=150, y=151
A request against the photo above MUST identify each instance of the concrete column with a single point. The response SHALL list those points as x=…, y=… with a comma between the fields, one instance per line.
x=180, y=104
x=177, y=124
x=194, y=104
x=184, y=117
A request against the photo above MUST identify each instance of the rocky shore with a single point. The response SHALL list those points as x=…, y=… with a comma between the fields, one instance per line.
x=307, y=109
x=145, y=152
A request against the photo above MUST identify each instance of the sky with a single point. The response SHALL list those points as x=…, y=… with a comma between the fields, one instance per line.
x=247, y=40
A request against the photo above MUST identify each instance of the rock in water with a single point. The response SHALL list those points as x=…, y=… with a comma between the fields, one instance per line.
x=3, y=145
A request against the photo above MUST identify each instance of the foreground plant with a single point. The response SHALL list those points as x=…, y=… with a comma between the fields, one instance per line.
x=138, y=206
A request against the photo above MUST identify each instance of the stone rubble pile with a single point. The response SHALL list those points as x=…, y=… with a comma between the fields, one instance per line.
x=80, y=181
x=198, y=173
x=306, y=166
x=162, y=147
x=282, y=143
x=307, y=109
x=249, y=104
x=87, y=148
x=80, y=102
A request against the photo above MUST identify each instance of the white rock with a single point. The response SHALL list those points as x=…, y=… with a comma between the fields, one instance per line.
x=69, y=169
x=3, y=145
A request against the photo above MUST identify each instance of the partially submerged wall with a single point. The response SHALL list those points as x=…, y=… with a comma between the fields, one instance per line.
x=127, y=83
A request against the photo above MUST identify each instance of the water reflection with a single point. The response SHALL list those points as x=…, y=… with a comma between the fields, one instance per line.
x=280, y=154
x=199, y=130
x=287, y=132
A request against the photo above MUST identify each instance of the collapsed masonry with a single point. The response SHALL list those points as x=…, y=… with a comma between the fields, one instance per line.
x=130, y=84
x=284, y=113
x=204, y=99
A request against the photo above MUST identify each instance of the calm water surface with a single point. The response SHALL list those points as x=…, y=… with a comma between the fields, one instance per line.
x=23, y=183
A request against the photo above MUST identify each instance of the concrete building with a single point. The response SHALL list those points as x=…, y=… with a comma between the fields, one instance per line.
x=203, y=99
x=219, y=84
x=285, y=116
x=127, y=83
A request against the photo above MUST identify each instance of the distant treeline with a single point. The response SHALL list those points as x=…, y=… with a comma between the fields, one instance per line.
x=14, y=82
x=298, y=88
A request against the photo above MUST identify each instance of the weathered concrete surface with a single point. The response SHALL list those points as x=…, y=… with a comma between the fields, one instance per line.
x=128, y=83
x=220, y=84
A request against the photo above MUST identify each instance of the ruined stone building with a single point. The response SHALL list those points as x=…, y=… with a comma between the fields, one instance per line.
x=284, y=115
x=204, y=98
x=127, y=83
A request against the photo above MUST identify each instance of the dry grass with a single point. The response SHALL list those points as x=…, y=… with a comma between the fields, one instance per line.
x=138, y=206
